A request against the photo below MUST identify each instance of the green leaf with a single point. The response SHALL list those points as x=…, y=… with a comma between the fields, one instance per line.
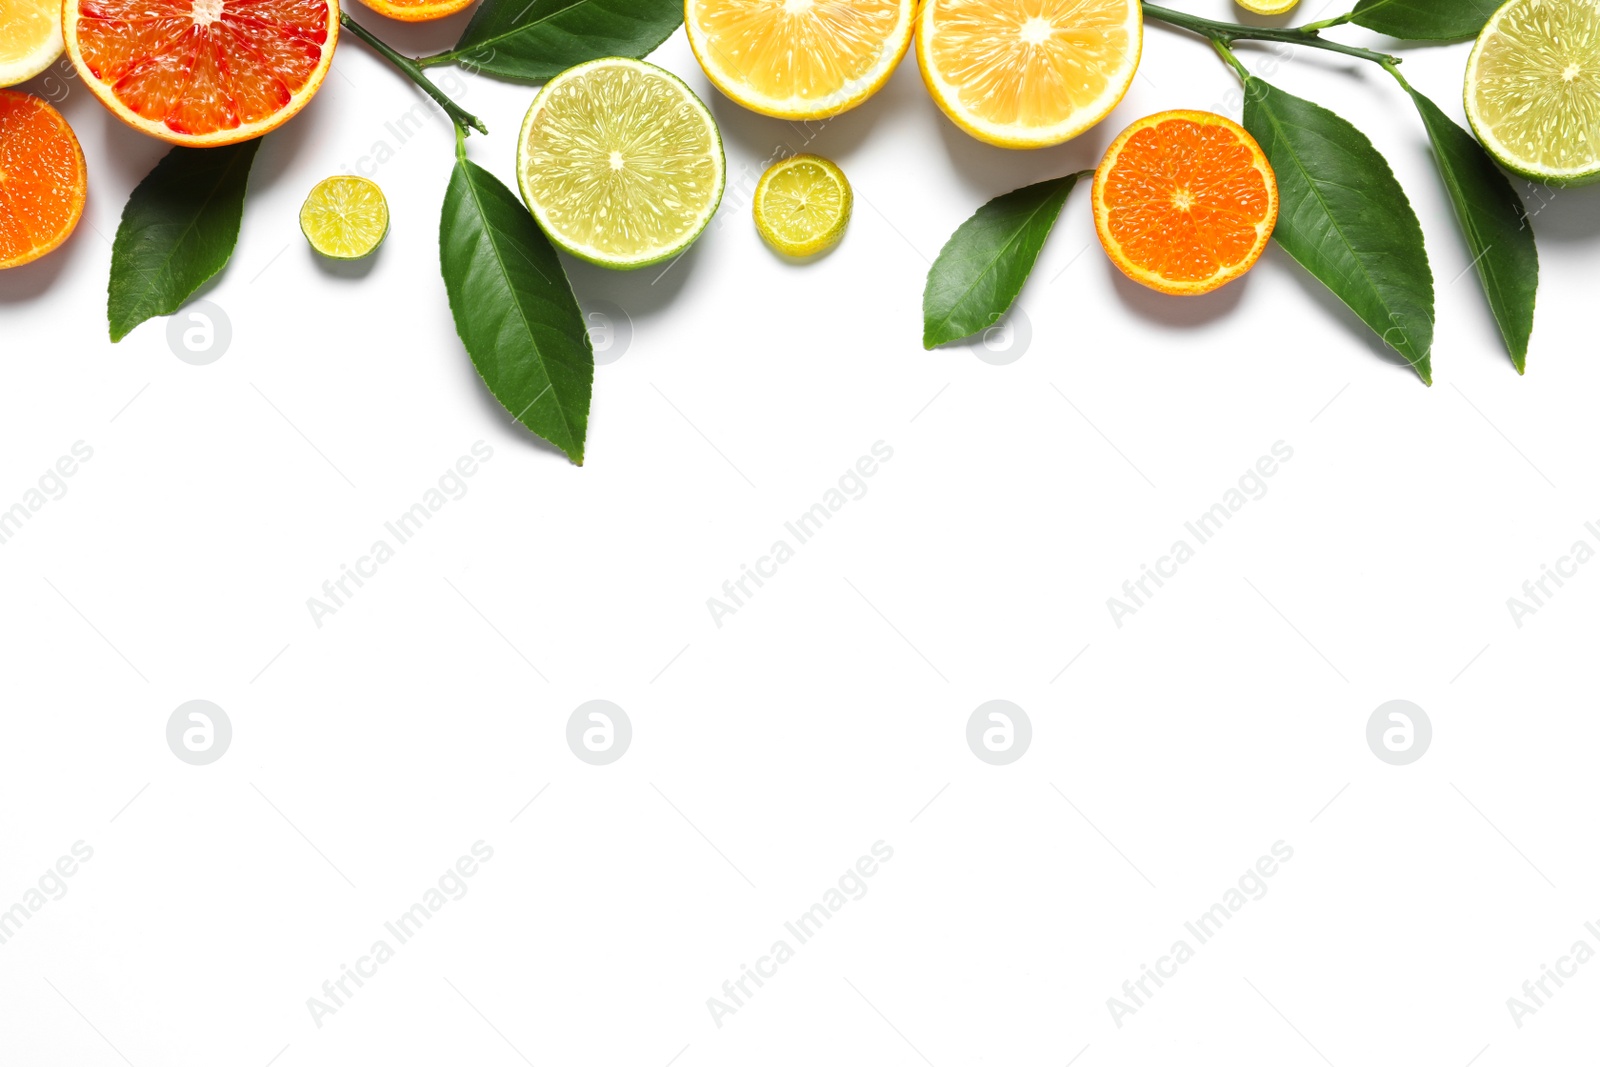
x=983, y=266
x=178, y=229
x=1494, y=222
x=534, y=40
x=1344, y=217
x=1425, y=20
x=514, y=308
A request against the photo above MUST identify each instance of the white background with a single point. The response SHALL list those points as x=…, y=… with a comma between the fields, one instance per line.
x=829, y=712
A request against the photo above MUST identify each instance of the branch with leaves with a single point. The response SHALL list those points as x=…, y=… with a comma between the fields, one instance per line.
x=522, y=325
x=1343, y=215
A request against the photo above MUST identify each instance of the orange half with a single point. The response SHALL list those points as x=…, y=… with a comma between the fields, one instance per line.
x=202, y=73
x=43, y=182
x=1185, y=202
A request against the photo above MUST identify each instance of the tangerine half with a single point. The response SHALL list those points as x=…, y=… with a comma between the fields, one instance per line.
x=1185, y=202
x=202, y=73
x=43, y=182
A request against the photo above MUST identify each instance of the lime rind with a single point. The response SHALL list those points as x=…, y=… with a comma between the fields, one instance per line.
x=620, y=163
x=345, y=217
x=1533, y=90
x=802, y=205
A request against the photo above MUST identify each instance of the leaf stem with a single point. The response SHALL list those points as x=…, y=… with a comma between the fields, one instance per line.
x=1226, y=33
x=435, y=59
x=1229, y=58
x=1401, y=78
x=1328, y=24
x=462, y=118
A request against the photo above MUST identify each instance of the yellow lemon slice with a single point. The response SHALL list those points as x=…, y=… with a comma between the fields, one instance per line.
x=345, y=217
x=1028, y=73
x=30, y=38
x=1268, y=7
x=799, y=59
x=802, y=205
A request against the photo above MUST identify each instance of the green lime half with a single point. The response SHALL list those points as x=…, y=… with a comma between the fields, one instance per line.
x=621, y=163
x=1533, y=89
x=345, y=217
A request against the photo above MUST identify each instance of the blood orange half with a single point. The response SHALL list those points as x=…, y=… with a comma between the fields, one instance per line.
x=202, y=72
x=42, y=179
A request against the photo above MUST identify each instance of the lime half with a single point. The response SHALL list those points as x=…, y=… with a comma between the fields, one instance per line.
x=345, y=217
x=802, y=205
x=620, y=163
x=1533, y=89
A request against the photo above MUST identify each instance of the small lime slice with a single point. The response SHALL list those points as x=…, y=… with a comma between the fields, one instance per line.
x=345, y=217
x=802, y=205
x=1533, y=89
x=1268, y=7
x=620, y=163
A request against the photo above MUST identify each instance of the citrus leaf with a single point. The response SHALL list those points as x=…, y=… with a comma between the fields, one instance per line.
x=514, y=308
x=178, y=229
x=1494, y=222
x=1425, y=20
x=534, y=40
x=983, y=266
x=1344, y=217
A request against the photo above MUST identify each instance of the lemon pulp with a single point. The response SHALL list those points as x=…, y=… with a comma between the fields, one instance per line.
x=1029, y=73
x=799, y=59
x=30, y=38
x=802, y=205
x=345, y=217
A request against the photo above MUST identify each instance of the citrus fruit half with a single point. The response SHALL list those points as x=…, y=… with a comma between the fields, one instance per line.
x=30, y=38
x=1268, y=7
x=799, y=59
x=1185, y=202
x=43, y=182
x=416, y=10
x=1028, y=74
x=620, y=163
x=345, y=217
x=802, y=205
x=1533, y=89
x=202, y=73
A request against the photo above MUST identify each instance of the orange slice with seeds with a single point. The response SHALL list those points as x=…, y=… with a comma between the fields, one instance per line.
x=202, y=73
x=1185, y=202
x=42, y=179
